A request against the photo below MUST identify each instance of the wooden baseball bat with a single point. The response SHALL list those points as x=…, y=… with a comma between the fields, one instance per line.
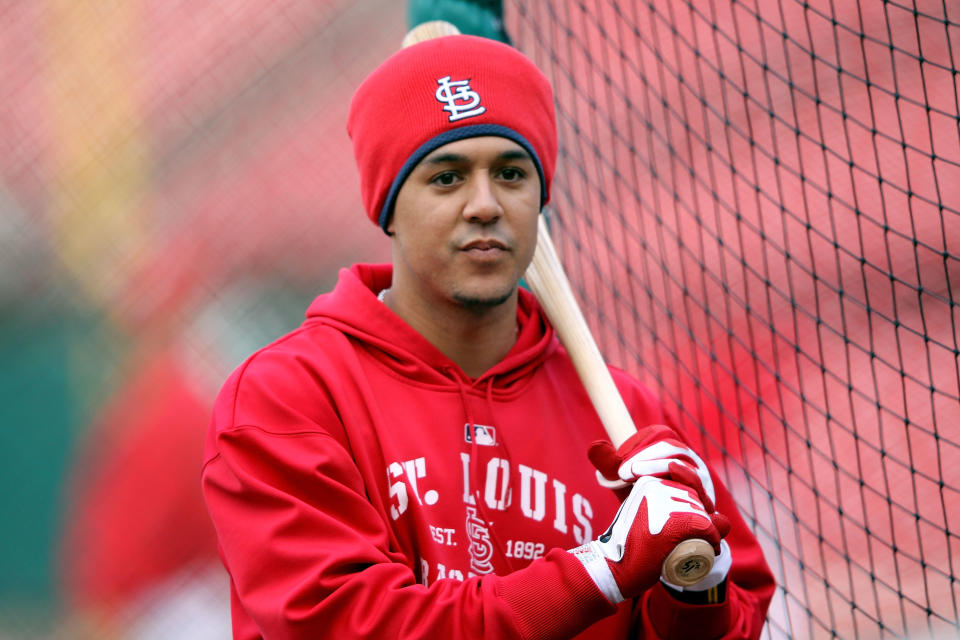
x=690, y=560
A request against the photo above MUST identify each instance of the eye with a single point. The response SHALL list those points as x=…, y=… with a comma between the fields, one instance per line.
x=512, y=174
x=445, y=179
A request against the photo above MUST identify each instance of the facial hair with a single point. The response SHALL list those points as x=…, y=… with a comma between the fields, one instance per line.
x=475, y=304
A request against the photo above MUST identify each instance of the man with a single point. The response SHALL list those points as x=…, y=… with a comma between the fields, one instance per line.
x=412, y=461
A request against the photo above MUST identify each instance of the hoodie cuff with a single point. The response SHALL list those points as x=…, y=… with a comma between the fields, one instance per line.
x=553, y=597
x=673, y=618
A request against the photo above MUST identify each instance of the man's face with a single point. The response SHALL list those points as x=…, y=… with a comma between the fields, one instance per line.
x=465, y=222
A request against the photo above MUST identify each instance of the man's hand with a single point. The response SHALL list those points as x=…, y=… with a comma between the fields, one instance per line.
x=657, y=515
x=654, y=451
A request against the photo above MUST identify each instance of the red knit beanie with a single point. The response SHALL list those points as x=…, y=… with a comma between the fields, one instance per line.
x=440, y=91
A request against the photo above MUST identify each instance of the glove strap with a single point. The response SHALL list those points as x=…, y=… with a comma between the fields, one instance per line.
x=596, y=565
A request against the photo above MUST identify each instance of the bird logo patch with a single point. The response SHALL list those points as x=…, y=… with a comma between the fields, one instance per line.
x=458, y=98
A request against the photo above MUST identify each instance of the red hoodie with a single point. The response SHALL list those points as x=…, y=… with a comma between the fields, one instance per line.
x=362, y=485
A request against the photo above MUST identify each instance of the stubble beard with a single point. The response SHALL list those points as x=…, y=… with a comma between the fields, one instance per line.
x=477, y=304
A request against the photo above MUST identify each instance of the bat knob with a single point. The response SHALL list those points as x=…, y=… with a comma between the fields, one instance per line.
x=689, y=562
x=429, y=31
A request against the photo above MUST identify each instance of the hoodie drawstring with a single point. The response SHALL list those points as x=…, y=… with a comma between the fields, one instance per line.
x=506, y=454
x=474, y=461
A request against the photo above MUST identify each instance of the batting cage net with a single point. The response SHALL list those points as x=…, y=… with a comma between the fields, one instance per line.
x=758, y=203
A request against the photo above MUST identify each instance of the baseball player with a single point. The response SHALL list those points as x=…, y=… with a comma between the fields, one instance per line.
x=412, y=461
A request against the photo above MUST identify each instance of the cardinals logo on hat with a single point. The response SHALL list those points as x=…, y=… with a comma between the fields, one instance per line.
x=461, y=101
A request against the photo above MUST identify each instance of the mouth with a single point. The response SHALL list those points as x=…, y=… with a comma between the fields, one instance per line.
x=484, y=246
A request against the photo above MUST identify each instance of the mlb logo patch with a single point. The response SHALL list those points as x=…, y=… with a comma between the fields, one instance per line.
x=486, y=435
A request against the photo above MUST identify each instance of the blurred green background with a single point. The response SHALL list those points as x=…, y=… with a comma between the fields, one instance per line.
x=176, y=185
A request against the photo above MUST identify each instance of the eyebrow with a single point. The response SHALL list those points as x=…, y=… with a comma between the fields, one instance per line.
x=454, y=158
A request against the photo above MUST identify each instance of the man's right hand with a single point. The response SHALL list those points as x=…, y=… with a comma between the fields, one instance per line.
x=656, y=516
x=658, y=451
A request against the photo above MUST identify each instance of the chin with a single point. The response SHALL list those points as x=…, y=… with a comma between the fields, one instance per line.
x=477, y=301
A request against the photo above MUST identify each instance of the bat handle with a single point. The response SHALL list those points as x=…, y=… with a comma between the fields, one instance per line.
x=689, y=562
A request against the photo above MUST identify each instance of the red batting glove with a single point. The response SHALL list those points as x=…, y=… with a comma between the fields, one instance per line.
x=657, y=515
x=654, y=451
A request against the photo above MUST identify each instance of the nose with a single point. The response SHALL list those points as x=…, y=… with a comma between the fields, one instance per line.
x=482, y=205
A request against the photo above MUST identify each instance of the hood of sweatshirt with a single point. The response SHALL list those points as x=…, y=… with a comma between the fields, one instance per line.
x=353, y=308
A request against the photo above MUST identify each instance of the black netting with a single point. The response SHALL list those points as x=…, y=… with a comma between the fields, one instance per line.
x=759, y=204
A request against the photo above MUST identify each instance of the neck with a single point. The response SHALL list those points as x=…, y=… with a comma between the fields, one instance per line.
x=475, y=339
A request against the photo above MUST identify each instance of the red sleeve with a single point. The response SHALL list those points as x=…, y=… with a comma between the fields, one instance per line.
x=750, y=587
x=310, y=557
